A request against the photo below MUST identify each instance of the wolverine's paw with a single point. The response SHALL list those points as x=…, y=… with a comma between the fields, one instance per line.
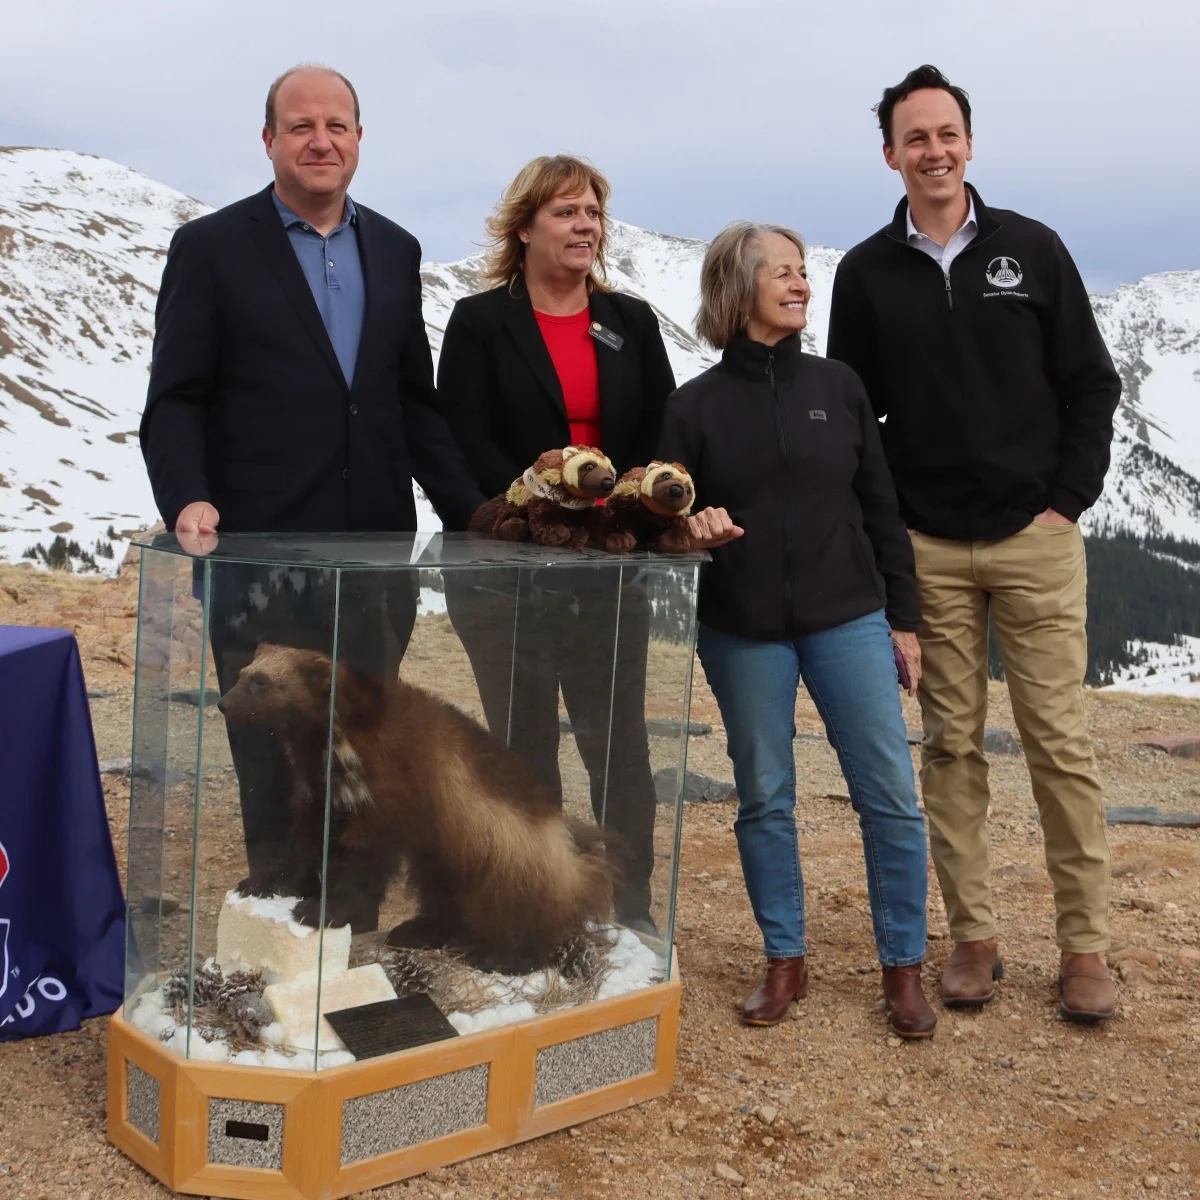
x=620, y=543
x=261, y=884
x=417, y=933
x=308, y=912
x=361, y=913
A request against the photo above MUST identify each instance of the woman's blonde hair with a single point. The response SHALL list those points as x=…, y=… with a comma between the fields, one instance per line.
x=536, y=183
x=727, y=278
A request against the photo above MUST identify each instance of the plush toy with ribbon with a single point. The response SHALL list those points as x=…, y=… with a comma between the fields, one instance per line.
x=552, y=502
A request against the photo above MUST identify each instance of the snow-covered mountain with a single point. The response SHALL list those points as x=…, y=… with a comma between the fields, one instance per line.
x=82, y=243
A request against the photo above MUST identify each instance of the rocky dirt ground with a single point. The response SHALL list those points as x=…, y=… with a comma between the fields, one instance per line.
x=1006, y=1102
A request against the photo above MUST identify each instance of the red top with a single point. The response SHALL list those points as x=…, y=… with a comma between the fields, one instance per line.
x=573, y=354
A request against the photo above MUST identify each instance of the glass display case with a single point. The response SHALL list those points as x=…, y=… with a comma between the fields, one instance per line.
x=403, y=849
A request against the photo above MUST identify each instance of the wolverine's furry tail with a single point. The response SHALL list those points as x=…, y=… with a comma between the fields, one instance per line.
x=601, y=855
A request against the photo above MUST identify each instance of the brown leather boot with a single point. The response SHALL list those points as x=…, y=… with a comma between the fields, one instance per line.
x=911, y=1016
x=1086, y=988
x=968, y=978
x=787, y=980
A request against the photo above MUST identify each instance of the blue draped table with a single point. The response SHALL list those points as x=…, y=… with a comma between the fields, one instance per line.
x=62, y=916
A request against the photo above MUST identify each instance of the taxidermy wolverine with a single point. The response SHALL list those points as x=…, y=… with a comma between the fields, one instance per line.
x=648, y=510
x=498, y=872
x=552, y=502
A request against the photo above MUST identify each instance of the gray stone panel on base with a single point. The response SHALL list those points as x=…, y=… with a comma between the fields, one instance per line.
x=588, y=1063
x=415, y=1113
x=227, y=1147
x=143, y=1101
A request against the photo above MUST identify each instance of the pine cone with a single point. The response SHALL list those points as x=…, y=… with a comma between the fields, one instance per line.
x=236, y=985
x=206, y=983
x=174, y=990
x=579, y=957
x=408, y=973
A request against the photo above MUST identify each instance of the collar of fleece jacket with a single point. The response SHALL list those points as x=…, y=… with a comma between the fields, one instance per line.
x=751, y=359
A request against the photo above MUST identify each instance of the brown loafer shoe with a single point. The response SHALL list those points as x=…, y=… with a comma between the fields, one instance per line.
x=911, y=1016
x=1086, y=988
x=970, y=974
x=787, y=980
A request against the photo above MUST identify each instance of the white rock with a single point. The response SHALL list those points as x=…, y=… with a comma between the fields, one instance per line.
x=159, y=1025
x=295, y=1003
x=214, y=1051
x=148, y=1010
x=255, y=934
x=248, y=1058
x=272, y=1058
x=336, y=1058
x=272, y=1034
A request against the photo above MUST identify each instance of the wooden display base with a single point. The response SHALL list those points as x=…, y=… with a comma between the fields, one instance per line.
x=319, y=1133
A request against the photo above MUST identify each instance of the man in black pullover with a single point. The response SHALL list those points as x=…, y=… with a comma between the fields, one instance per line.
x=974, y=335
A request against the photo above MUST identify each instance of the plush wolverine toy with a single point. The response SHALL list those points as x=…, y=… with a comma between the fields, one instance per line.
x=552, y=501
x=648, y=510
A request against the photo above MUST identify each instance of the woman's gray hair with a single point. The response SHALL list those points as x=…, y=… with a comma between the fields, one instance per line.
x=727, y=278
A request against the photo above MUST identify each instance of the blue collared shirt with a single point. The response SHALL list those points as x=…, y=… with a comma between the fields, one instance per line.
x=334, y=272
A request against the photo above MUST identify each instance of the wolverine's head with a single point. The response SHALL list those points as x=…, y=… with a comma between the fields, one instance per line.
x=281, y=686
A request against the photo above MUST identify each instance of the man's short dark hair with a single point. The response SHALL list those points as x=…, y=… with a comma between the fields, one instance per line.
x=273, y=91
x=926, y=76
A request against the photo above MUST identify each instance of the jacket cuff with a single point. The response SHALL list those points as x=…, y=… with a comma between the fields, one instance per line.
x=1066, y=503
x=904, y=613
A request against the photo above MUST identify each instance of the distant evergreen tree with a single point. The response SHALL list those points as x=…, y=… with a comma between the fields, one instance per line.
x=1140, y=588
x=62, y=555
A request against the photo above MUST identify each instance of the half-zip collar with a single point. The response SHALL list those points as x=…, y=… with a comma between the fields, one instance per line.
x=985, y=219
x=749, y=358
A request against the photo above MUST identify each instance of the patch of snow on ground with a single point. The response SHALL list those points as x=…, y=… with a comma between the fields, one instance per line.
x=1162, y=669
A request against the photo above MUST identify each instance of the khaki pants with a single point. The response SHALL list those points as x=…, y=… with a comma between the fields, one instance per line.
x=1035, y=583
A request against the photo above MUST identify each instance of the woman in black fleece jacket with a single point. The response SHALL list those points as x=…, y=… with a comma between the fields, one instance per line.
x=812, y=577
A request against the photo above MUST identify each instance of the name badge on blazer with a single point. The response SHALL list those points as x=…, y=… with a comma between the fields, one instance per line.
x=614, y=341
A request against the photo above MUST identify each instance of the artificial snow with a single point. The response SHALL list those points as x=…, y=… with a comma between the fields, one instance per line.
x=631, y=965
x=294, y=1003
x=256, y=933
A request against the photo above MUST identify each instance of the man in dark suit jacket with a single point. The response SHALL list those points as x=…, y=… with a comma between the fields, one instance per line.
x=291, y=390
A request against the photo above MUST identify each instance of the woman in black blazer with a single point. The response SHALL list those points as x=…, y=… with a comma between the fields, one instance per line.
x=550, y=357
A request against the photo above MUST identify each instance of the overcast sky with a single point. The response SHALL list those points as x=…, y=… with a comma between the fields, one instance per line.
x=1085, y=111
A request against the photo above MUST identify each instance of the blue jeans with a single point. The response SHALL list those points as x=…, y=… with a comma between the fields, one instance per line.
x=851, y=675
